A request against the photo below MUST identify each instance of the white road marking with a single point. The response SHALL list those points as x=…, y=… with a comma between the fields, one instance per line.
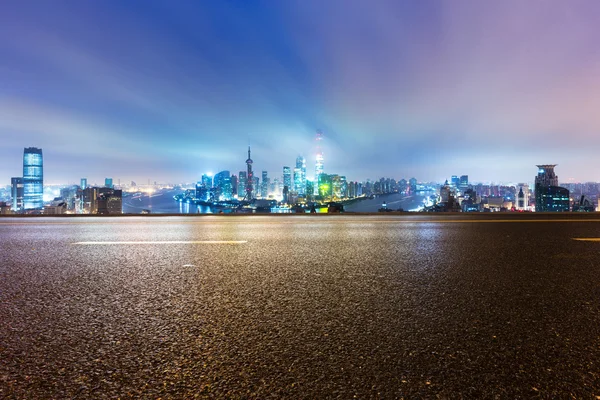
x=587, y=239
x=169, y=242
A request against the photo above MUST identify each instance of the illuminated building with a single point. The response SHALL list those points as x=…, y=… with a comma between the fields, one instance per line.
x=522, y=197
x=222, y=185
x=250, y=178
x=234, y=185
x=110, y=201
x=90, y=200
x=455, y=181
x=207, y=181
x=16, y=185
x=83, y=183
x=33, y=179
x=242, y=183
x=319, y=160
x=300, y=176
x=287, y=178
x=412, y=184
x=445, y=192
x=264, y=186
x=108, y=183
x=549, y=197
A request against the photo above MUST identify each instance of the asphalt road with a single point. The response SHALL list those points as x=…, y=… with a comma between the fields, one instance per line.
x=300, y=307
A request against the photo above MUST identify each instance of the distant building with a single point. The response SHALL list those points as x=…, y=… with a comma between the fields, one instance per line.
x=445, y=192
x=5, y=208
x=90, y=200
x=264, y=186
x=33, y=179
x=16, y=185
x=250, y=183
x=522, y=200
x=108, y=183
x=287, y=177
x=412, y=184
x=300, y=176
x=584, y=204
x=83, y=183
x=242, y=184
x=552, y=199
x=455, y=181
x=549, y=197
x=110, y=202
x=207, y=181
x=222, y=184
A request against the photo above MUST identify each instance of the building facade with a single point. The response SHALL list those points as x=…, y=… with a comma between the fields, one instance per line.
x=33, y=179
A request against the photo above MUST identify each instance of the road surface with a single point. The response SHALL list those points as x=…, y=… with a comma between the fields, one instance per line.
x=300, y=307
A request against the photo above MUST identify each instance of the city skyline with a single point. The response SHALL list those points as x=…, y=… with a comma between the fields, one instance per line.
x=427, y=89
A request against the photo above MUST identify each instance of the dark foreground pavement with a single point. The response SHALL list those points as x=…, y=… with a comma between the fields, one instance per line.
x=305, y=307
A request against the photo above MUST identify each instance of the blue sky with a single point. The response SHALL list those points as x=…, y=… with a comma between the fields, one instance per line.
x=168, y=90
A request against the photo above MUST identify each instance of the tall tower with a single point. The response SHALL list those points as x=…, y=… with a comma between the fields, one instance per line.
x=250, y=177
x=33, y=178
x=319, y=161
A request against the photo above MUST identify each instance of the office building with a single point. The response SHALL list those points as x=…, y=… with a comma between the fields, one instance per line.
x=16, y=186
x=110, y=201
x=33, y=179
x=222, y=185
x=83, y=183
x=319, y=161
x=549, y=197
x=242, y=184
x=300, y=176
x=108, y=183
x=264, y=187
x=207, y=181
x=287, y=177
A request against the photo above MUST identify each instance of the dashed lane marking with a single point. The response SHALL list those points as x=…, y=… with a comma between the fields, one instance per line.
x=167, y=242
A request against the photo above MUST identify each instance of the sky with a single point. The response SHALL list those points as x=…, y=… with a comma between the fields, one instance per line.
x=168, y=90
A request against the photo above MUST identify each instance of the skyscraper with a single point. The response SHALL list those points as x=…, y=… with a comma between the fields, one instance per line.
x=319, y=160
x=16, y=185
x=264, y=186
x=287, y=177
x=33, y=179
x=83, y=183
x=207, y=181
x=548, y=195
x=108, y=183
x=250, y=178
x=300, y=176
x=222, y=184
x=242, y=184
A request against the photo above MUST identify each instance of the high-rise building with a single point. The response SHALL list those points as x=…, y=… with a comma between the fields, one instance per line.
x=110, y=201
x=300, y=176
x=549, y=197
x=234, y=185
x=16, y=186
x=222, y=184
x=318, y=160
x=242, y=184
x=287, y=177
x=264, y=187
x=250, y=178
x=83, y=183
x=108, y=183
x=412, y=184
x=33, y=179
x=455, y=181
x=207, y=181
